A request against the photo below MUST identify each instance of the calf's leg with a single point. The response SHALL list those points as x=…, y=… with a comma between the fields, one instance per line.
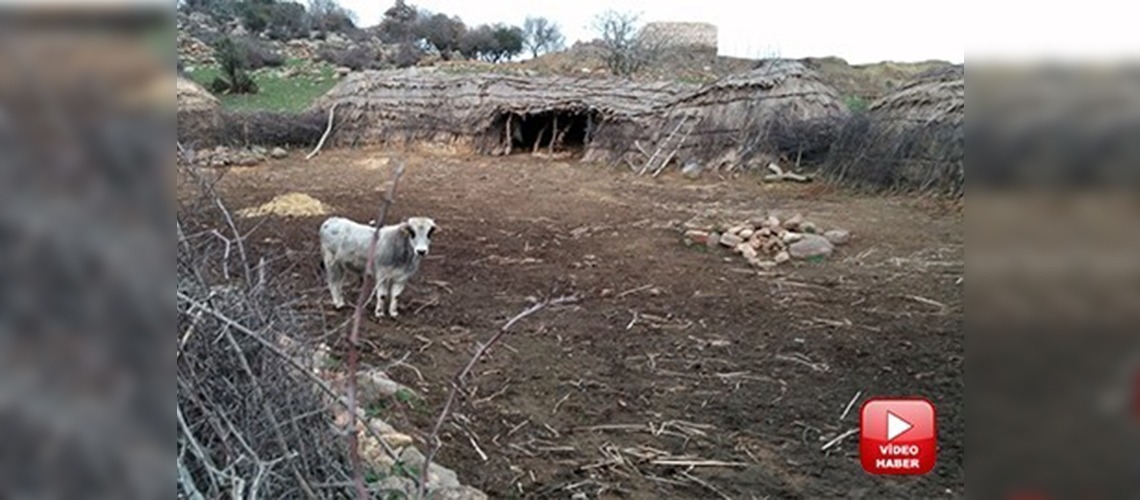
x=334, y=277
x=381, y=288
x=397, y=289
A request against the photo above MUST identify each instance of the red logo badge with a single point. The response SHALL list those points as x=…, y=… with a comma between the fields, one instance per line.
x=898, y=436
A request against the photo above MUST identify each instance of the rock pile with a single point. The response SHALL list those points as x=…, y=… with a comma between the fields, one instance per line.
x=400, y=473
x=767, y=241
x=193, y=51
x=400, y=469
x=222, y=156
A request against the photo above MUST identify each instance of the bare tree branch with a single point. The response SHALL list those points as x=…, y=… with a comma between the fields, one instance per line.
x=354, y=335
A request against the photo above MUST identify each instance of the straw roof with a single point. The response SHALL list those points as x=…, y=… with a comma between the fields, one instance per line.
x=736, y=114
x=910, y=139
x=193, y=98
x=198, y=111
x=733, y=117
x=377, y=106
x=937, y=96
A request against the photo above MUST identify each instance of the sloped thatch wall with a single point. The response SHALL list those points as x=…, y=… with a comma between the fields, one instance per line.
x=381, y=106
x=780, y=108
x=199, y=112
x=911, y=139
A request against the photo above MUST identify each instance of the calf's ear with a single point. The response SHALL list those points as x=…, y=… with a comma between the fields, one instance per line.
x=406, y=229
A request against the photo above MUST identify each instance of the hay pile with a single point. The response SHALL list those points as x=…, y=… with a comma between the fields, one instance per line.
x=288, y=205
x=779, y=109
x=199, y=112
x=767, y=242
x=913, y=139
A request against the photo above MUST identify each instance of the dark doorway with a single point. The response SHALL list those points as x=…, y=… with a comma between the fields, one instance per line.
x=558, y=130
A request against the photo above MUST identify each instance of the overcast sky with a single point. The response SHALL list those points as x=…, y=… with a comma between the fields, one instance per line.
x=857, y=30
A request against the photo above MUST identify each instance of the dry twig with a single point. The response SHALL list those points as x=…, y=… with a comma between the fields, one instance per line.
x=838, y=439
x=324, y=136
x=354, y=333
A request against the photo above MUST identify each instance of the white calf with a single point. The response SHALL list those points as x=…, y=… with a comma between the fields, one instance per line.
x=344, y=247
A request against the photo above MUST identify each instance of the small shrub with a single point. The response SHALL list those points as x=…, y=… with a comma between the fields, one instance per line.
x=234, y=78
x=357, y=58
x=288, y=20
x=257, y=54
x=407, y=55
x=375, y=409
x=240, y=83
x=269, y=128
x=855, y=104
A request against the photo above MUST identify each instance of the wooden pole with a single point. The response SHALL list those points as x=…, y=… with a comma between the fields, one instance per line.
x=538, y=140
x=510, y=138
x=553, y=135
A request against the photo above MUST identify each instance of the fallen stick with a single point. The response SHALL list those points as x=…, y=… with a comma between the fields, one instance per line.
x=786, y=176
x=705, y=484
x=698, y=463
x=929, y=302
x=324, y=136
x=635, y=290
x=837, y=439
x=850, y=405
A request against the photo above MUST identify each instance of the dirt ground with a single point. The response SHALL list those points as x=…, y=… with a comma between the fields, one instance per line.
x=672, y=351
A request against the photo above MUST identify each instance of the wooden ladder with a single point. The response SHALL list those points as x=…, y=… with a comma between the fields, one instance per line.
x=672, y=144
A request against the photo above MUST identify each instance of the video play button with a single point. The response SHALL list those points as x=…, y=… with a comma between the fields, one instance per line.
x=896, y=426
x=898, y=436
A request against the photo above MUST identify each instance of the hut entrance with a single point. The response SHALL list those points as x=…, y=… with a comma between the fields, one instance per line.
x=548, y=131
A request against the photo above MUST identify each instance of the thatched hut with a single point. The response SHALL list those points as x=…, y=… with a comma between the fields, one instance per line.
x=779, y=109
x=199, y=112
x=492, y=113
x=911, y=139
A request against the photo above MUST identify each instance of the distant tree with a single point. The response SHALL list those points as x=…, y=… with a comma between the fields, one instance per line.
x=441, y=32
x=287, y=20
x=626, y=50
x=234, y=78
x=407, y=55
x=492, y=43
x=279, y=20
x=328, y=16
x=508, y=42
x=477, y=41
x=542, y=35
x=219, y=9
x=254, y=14
x=399, y=23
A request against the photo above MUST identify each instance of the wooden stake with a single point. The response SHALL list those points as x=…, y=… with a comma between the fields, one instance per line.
x=538, y=140
x=553, y=136
x=510, y=138
x=328, y=129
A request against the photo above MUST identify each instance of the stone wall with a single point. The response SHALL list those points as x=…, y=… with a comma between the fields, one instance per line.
x=696, y=36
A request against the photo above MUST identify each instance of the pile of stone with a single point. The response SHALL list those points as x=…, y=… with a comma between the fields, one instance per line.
x=767, y=241
x=222, y=156
x=300, y=48
x=400, y=472
x=193, y=51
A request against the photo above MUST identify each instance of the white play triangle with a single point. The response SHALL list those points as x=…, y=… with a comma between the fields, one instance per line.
x=896, y=426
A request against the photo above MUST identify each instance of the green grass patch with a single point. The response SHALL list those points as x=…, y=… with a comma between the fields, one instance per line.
x=855, y=104
x=294, y=93
x=375, y=409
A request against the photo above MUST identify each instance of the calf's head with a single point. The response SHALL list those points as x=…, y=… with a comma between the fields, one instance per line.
x=419, y=231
